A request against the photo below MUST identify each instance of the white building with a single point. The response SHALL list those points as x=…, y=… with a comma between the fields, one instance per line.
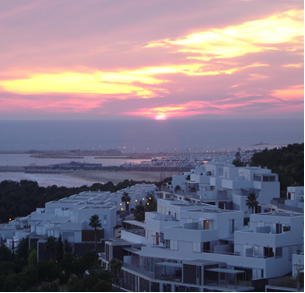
x=227, y=186
x=200, y=247
x=295, y=197
x=70, y=217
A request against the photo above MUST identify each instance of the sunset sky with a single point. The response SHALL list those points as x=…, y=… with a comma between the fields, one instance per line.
x=152, y=59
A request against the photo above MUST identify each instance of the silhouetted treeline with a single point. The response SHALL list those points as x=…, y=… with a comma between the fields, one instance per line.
x=287, y=162
x=21, y=272
x=19, y=199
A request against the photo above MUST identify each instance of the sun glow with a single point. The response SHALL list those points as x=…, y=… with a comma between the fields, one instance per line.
x=160, y=117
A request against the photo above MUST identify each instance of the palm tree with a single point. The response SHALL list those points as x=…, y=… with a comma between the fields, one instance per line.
x=251, y=201
x=126, y=198
x=95, y=223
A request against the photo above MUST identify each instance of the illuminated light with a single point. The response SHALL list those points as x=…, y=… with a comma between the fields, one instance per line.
x=148, y=203
x=9, y=219
x=143, y=198
x=122, y=209
x=136, y=200
x=127, y=202
x=120, y=204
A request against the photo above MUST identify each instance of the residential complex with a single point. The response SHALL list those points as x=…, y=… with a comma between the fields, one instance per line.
x=198, y=247
x=204, y=235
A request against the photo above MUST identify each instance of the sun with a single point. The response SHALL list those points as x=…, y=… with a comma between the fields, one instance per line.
x=160, y=117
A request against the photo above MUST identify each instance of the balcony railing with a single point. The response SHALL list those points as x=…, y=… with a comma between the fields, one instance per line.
x=140, y=232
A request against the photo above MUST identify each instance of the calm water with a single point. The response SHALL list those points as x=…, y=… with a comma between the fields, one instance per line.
x=148, y=135
x=26, y=160
x=133, y=136
x=46, y=179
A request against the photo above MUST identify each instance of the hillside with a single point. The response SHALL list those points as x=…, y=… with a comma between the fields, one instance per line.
x=287, y=162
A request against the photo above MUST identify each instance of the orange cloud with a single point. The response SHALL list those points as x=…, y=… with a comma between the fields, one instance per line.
x=292, y=93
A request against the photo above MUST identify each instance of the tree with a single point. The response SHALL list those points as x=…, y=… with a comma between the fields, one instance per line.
x=115, y=266
x=59, y=251
x=67, y=247
x=32, y=258
x=151, y=205
x=95, y=223
x=139, y=212
x=177, y=188
x=251, y=201
x=50, y=246
x=126, y=198
x=23, y=248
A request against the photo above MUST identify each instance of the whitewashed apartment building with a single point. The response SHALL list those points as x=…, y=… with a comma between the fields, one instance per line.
x=197, y=247
x=227, y=186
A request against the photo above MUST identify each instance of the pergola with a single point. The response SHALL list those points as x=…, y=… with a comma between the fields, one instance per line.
x=226, y=272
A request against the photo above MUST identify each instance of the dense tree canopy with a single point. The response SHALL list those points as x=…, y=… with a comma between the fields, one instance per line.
x=19, y=199
x=288, y=162
x=66, y=273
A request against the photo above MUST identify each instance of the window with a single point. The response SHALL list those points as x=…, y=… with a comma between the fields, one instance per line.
x=167, y=243
x=278, y=252
x=206, y=224
x=206, y=247
x=257, y=178
x=196, y=247
x=105, y=220
x=278, y=228
x=174, y=244
x=231, y=226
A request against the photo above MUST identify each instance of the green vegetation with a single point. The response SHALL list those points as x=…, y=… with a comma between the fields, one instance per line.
x=251, y=201
x=67, y=273
x=126, y=198
x=19, y=199
x=95, y=223
x=287, y=162
x=139, y=212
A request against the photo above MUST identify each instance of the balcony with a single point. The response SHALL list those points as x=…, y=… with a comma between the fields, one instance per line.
x=140, y=232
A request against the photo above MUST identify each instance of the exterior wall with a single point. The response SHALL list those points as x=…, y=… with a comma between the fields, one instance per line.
x=108, y=223
x=297, y=263
x=269, y=190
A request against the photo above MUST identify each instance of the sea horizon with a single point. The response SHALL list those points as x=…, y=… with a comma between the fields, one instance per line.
x=148, y=135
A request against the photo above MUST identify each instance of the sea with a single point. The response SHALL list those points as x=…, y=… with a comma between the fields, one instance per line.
x=139, y=136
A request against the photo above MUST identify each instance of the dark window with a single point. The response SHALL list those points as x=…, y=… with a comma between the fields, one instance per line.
x=278, y=252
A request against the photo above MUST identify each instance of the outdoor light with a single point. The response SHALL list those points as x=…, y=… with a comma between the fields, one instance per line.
x=127, y=202
x=136, y=200
x=121, y=209
x=120, y=204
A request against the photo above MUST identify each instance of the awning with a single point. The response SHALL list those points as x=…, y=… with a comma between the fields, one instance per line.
x=169, y=264
x=135, y=223
x=132, y=250
x=228, y=271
